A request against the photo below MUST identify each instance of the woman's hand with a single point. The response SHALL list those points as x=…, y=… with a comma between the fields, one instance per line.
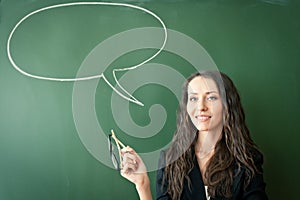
x=134, y=170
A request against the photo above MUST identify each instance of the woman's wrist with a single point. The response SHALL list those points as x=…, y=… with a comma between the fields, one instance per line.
x=144, y=183
x=143, y=189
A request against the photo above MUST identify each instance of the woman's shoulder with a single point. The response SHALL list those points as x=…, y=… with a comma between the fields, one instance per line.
x=161, y=182
x=162, y=159
x=257, y=158
x=255, y=188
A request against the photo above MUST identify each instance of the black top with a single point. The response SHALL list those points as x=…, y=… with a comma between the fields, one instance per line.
x=254, y=191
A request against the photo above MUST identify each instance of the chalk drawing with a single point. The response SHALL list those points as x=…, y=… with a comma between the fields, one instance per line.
x=100, y=75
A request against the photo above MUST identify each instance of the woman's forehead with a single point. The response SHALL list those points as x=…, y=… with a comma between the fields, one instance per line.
x=201, y=84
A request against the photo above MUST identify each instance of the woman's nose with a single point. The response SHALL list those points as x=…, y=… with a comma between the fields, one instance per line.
x=201, y=105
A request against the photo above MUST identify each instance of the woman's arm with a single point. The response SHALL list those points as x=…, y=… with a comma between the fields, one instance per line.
x=134, y=170
x=256, y=188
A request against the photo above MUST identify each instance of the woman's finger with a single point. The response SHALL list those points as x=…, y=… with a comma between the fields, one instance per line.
x=127, y=149
x=129, y=168
x=130, y=157
x=129, y=160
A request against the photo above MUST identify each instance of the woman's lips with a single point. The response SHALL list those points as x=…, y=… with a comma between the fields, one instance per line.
x=203, y=118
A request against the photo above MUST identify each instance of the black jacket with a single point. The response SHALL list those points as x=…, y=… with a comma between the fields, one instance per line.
x=255, y=190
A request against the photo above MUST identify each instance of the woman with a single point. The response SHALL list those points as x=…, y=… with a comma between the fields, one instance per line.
x=212, y=155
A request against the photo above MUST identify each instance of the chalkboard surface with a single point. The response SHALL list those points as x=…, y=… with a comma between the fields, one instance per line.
x=53, y=141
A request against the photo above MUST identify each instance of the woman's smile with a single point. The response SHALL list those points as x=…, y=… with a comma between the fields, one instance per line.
x=203, y=118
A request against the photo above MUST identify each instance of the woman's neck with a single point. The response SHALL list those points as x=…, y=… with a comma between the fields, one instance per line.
x=205, y=149
x=206, y=142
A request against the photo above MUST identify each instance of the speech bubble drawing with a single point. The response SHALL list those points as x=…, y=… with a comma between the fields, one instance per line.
x=129, y=97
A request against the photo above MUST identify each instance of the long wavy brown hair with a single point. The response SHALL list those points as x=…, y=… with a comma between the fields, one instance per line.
x=235, y=147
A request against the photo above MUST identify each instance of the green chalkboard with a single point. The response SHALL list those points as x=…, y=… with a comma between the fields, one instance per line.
x=53, y=141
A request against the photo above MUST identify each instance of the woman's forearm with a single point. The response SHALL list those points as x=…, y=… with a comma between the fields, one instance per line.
x=144, y=190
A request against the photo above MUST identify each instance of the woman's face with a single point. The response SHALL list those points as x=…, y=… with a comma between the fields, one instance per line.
x=204, y=104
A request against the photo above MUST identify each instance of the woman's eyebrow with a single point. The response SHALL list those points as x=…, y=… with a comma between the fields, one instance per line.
x=209, y=92
x=212, y=92
x=192, y=93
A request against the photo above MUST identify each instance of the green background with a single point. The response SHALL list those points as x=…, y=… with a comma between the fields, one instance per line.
x=255, y=42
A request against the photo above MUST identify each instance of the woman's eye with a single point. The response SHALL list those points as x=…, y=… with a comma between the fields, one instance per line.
x=212, y=98
x=193, y=99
